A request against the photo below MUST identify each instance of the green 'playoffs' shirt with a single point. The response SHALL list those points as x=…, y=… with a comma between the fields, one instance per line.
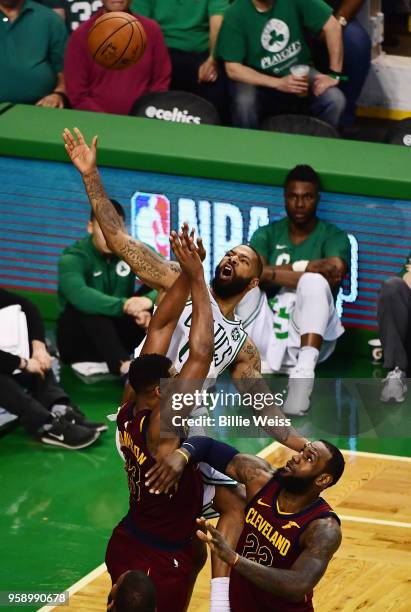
x=273, y=242
x=184, y=23
x=270, y=42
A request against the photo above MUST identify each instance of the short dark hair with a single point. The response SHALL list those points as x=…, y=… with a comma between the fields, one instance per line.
x=305, y=174
x=336, y=464
x=147, y=370
x=260, y=265
x=135, y=593
x=119, y=209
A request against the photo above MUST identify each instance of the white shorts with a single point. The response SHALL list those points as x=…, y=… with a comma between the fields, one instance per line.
x=211, y=479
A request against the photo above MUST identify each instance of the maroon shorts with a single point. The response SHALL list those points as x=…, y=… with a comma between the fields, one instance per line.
x=171, y=572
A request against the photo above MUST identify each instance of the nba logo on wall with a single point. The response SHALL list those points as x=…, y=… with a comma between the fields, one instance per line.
x=150, y=219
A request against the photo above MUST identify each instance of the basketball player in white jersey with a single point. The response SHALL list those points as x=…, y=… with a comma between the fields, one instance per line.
x=236, y=275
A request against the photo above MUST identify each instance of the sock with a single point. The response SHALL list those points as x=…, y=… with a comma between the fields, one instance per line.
x=219, y=597
x=58, y=410
x=308, y=357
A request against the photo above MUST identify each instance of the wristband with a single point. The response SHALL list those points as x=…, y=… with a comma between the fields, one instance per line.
x=300, y=266
x=338, y=76
x=181, y=452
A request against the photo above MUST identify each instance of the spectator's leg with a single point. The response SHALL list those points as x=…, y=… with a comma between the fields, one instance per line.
x=72, y=341
x=99, y=338
x=184, y=70
x=357, y=61
x=13, y=398
x=245, y=105
x=394, y=313
x=328, y=107
x=45, y=390
x=129, y=332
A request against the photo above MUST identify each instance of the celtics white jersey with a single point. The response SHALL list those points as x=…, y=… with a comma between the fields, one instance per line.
x=229, y=337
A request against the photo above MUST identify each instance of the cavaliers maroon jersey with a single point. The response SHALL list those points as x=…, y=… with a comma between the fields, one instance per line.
x=271, y=537
x=163, y=521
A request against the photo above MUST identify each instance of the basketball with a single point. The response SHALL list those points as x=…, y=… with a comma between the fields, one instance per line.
x=117, y=40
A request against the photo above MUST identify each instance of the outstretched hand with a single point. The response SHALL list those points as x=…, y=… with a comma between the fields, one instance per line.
x=186, y=254
x=189, y=238
x=81, y=154
x=209, y=534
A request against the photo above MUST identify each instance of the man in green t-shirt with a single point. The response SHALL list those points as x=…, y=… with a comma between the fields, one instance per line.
x=262, y=41
x=305, y=259
x=32, y=42
x=190, y=30
x=102, y=320
x=394, y=316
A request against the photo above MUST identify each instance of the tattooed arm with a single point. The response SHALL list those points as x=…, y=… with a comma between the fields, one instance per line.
x=246, y=374
x=151, y=268
x=319, y=541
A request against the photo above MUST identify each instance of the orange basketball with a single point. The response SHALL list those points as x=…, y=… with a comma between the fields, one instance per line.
x=117, y=40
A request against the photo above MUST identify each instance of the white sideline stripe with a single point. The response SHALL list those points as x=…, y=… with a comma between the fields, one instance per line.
x=264, y=453
x=95, y=573
x=373, y=521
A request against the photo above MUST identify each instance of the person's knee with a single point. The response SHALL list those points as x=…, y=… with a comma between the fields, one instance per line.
x=312, y=283
x=244, y=96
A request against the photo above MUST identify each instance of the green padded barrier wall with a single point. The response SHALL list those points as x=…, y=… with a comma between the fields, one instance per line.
x=209, y=151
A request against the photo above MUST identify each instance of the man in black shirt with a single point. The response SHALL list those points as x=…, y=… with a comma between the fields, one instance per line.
x=28, y=388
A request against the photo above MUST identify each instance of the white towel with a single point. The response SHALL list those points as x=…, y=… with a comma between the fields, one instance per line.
x=14, y=336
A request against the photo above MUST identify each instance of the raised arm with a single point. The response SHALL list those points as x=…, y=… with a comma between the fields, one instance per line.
x=320, y=541
x=150, y=267
x=246, y=374
x=165, y=318
x=201, y=337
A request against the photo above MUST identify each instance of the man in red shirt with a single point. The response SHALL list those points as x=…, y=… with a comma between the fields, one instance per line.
x=93, y=88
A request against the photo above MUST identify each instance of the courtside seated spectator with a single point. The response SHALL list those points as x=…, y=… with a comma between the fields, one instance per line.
x=32, y=41
x=94, y=88
x=260, y=41
x=305, y=259
x=357, y=53
x=28, y=387
x=102, y=320
x=191, y=30
x=394, y=315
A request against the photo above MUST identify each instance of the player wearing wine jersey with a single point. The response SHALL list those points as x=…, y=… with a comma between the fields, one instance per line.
x=156, y=535
x=290, y=533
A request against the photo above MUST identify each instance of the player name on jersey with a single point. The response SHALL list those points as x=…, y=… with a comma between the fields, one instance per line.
x=126, y=440
x=279, y=542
